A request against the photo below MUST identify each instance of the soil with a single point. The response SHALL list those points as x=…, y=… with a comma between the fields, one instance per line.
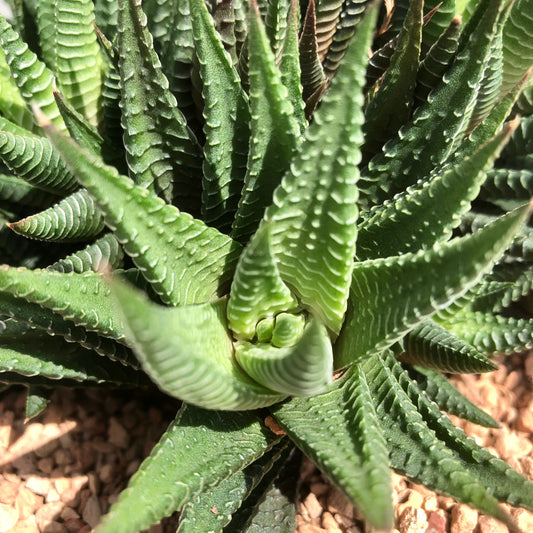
x=60, y=472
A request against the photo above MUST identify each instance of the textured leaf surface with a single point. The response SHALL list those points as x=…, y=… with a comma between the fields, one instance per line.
x=257, y=290
x=390, y=296
x=314, y=210
x=426, y=447
x=339, y=431
x=69, y=48
x=82, y=298
x=195, y=361
x=437, y=126
x=273, y=136
x=225, y=443
x=226, y=129
x=75, y=218
x=184, y=260
x=35, y=160
x=37, y=400
x=432, y=346
x=17, y=191
x=162, y=153
x=493, y=334
x=303, y=369
x=32, y=76
x=448, y=398
x=212, y=510
x=428, y=211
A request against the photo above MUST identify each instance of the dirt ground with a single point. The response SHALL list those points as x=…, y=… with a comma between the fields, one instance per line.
x=60, y=472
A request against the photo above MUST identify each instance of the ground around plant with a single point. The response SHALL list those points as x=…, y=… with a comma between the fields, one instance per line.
x=60, y=472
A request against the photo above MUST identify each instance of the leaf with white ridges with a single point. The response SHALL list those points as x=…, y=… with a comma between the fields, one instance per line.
x=274, y=133
x=185, y=261
x=73, y=219
x=314, y=211
x=229, y=495
x=226, y=116
x=303, y=369
x=493, y=334
x=426, y=447
x=35, y=160
x=390, y=296
x=257, y=290
x=508, y=183
x=69, y=48
x=32, y=77
x=188, y=352
x=427, y=212
x=82, y=298
x=276, y=24
x=439, y=389
x=433, y=346
x=340, y=433
x=162, y=153
x=104, y=252
x=438, y=126
x=225, y=443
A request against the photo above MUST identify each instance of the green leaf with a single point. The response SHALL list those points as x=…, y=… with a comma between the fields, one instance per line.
x=438, y=126
x=437, y=61
x=390, y=296
x=492, y=334
x=32, y=77
x=83, y=298
x=257, y=290
x=185, y=261
x=426, y=447
x=195, y=362
x=340, y=433
x=37, y=400
x=70, y=50
x=313, y=214
x=273, y=136
x=225, y=443
x=432, y=346
x=226, y=129
x=391, y=105
x=427, y=212
x=517, y=43
x=508, y=183
x=212, y=510
x=35, y=160
x=104, y=252
x=276, y=21
x=37, y=354
x=73, y=219
x=302, y=369
x=312, y=74
x=448, y=398
x=162, y=153
x=16, y=191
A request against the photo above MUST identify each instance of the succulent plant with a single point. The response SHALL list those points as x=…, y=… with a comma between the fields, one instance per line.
x=238, y=203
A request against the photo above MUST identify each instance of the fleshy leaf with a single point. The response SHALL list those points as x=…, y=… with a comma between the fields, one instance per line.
x=162, y=153
x=313, y=214
x=303, y=369
x=493, y=334
x=426, y=447
x=226, y=129
x=448, y=398
x=18, y=191
x=225, y=443
x=184, y=260
x=70, y=50
x=37, y=400
x=340, y=432
x=432, y=346
x=390, y=296
x=32, y=77
x=257, y=290
x=428, y=211
x=273, y=136
x=75, y=218
x=188, y=352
